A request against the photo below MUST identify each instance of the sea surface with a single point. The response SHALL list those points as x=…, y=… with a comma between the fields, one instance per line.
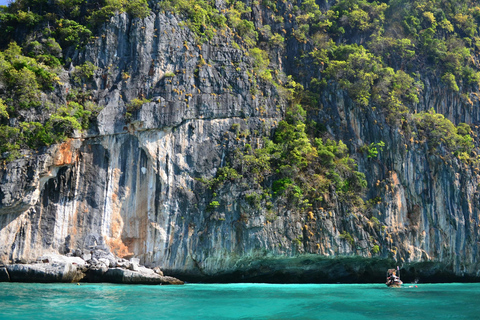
x=239, y=301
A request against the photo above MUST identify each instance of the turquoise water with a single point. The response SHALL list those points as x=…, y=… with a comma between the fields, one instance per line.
x=239, y=301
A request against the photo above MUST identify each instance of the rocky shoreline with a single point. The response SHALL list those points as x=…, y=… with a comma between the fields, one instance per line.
x=94, y=267
x=100, y=266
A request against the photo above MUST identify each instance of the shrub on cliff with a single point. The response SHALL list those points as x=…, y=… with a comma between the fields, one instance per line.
x=71, y=33
x=436, y=130
x=84, y=72
x=201, y=16
x=24, y=77
x=137, y=8
x=108, y=8
x=366, y=78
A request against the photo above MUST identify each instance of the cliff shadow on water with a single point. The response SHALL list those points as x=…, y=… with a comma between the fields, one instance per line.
x=317, y=269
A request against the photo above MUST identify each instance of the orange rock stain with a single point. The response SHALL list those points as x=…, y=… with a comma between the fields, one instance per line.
x=65, y=154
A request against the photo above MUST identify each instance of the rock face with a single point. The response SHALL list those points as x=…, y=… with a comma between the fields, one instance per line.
x=57, y=268
x=131, y=186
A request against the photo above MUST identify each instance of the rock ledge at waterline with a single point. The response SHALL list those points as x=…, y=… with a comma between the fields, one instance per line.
x=57, y=268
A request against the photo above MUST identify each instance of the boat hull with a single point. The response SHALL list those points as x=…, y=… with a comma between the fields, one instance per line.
x=396, y=284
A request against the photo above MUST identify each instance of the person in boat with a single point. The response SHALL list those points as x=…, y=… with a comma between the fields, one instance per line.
x=392, y=278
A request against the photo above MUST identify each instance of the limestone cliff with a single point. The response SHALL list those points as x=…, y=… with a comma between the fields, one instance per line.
x=131, y=183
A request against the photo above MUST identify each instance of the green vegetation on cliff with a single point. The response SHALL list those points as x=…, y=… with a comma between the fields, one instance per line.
x=379, y=52
x=30, y=70
x=299, y=167
x=382, y=52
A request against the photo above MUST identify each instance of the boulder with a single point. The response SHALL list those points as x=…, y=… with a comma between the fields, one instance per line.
x=104, y=261
x=158, y=271
x=143, y=276
x=58, y=268
x=60, y=259
x=123, y=264
x=133, y=267
x=171, y=280
x=117, y=275
x=102, y=254
x=134, y=264
x=45, y=272
x=87, y=256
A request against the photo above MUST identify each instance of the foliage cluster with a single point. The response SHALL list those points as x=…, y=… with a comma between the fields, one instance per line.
x=380, y=52
x=366, y=78
x=30, y=71
x=108, y=8
x=403, y=36
x=205, y=20
x=84, y=72
x=445, y=33
x=202, y=16
x=26, y=77
x=347, y=237
x=372, y=149
x=72, y=21
x=436, y=130
x=295, y=168
x=34, y=135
